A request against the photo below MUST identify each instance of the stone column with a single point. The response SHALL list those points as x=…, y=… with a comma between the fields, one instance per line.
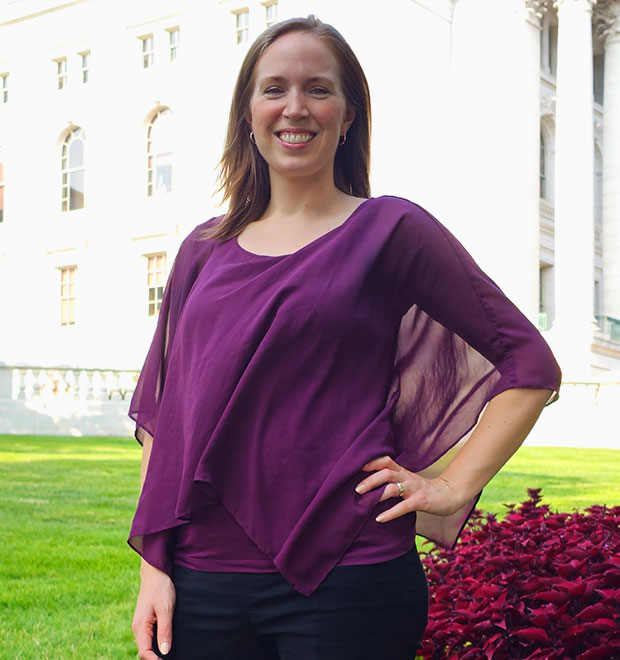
x=607, y=24
x=574, y=324
x=495, y=126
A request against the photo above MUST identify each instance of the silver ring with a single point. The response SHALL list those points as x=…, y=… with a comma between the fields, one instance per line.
x=401, y=490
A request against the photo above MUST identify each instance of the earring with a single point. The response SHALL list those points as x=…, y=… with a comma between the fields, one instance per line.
x=343, y=139
x=252, y=137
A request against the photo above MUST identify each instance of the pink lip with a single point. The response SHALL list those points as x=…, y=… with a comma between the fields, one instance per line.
x=294, y=130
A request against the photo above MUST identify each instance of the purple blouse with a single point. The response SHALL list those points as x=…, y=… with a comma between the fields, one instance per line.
x=271, y=381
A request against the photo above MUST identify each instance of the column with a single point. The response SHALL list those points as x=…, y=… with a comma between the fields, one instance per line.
x=495, y=124
x=574, y=324
x=607, y=24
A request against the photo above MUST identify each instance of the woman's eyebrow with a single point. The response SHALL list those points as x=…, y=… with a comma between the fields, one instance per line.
x=280, y=79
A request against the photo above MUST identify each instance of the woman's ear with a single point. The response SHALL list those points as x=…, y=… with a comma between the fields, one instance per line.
x=349, y=118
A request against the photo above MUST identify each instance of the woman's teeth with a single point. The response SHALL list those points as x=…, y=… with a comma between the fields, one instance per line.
x=294, y=138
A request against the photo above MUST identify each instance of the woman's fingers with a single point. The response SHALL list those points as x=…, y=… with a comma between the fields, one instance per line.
x=143, y=633
x=164, y=628
x=391, y=490
x=382, y=462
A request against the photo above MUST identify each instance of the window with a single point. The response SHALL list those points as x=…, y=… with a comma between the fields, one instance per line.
x=242, y=22
x=147, y=51
x=156, y=281
x=543, y=179
x=72, y=165
x=85, y=64
x=1, y=192
x=67, y=295
x=5, y=87
x=271, y=13
x=61, y=72
x=174, y=36
x=159, y=152
x=598, y=78
x=552, y=62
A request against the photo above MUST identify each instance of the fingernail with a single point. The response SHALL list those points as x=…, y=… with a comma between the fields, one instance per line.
x=164, y=648
x=360, y=488
x=380, y=518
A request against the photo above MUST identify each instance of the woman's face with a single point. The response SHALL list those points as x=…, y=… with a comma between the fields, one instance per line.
x=298, y=110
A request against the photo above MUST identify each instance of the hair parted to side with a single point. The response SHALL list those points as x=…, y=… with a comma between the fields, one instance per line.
x=244, y=174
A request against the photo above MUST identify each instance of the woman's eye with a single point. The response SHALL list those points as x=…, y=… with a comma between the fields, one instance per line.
x=319, y=90
x=272, y=90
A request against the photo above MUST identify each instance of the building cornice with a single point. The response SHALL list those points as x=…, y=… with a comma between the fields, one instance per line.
x=25, y=11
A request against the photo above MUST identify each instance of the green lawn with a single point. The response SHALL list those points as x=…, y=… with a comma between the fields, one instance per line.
x=68, y=578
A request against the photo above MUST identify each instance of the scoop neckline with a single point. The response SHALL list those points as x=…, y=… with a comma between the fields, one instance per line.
x=307, y=245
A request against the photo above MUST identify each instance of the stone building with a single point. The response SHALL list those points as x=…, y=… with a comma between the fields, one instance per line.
x=501, y=118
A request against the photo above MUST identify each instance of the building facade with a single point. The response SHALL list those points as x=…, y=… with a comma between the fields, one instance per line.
x=501, y=118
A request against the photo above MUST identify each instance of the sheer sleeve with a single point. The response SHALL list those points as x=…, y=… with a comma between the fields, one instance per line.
x=461, y=342
x=144, y=405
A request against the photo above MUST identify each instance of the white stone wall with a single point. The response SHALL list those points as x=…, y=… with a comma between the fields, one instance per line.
x=457, y=94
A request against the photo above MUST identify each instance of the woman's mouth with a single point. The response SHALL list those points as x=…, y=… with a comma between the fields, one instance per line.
x=295, y=138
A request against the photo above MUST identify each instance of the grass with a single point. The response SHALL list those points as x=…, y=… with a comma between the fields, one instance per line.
x=69, y=580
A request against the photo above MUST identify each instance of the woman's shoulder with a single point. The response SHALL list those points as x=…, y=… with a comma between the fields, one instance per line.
x=400, y=206
x=195, y=246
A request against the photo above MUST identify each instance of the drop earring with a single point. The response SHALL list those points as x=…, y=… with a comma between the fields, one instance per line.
x=252, y=137
x=343, y=139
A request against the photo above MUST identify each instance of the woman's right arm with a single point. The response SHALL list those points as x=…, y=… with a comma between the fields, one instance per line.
x=156, y=598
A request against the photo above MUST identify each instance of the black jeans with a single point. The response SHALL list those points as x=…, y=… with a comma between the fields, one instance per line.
x=358, y=612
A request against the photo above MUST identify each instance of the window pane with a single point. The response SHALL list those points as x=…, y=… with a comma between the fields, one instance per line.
x=163, y=173
x=1, y=203
x=77, y=190
x=76, y=154
x=85, y=76
x=151, y=294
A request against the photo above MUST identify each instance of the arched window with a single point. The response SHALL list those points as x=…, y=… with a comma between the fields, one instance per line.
x=159, y=149
x=72, y=165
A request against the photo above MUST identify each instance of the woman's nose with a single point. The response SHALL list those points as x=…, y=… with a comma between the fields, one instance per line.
x=295, y=105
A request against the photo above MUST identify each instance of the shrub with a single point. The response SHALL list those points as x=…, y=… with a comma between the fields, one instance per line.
x=537, y=585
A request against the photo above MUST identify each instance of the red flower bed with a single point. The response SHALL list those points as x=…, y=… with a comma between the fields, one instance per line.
x=537, y=585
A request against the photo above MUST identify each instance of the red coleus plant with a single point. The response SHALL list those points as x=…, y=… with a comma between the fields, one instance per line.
x=537, y=585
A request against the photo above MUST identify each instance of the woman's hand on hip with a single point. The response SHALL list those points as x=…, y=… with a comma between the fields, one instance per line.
x=155, y=605
x=418, y=493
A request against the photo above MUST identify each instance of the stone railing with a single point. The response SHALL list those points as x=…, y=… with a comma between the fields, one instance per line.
x=65, y=383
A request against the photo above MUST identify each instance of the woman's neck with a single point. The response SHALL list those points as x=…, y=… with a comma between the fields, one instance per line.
x=303, y=198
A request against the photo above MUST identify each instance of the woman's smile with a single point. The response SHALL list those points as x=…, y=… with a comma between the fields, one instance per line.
x=291, y=139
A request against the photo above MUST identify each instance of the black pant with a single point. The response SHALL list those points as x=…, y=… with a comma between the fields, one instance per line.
x=358, y=612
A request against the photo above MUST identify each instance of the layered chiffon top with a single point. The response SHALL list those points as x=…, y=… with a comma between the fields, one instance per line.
x=271, y=381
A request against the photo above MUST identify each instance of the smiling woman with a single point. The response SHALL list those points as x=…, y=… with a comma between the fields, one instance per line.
x=317, y=351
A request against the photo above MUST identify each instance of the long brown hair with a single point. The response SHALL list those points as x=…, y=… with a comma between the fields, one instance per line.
x=243, y=172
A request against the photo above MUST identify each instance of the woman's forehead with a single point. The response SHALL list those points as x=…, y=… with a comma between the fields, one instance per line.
x=297, y=54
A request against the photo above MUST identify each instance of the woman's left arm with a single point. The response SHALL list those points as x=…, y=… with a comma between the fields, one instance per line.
x=501, y=430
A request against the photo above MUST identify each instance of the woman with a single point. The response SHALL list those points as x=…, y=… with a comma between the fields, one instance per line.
x=317, y=348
